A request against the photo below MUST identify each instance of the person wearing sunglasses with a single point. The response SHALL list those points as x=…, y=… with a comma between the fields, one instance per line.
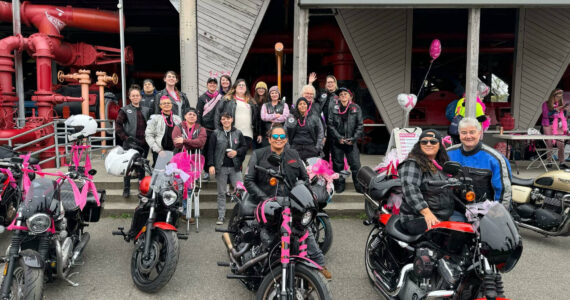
x=424, y=205
x=474, y=154
x=256, y=182
x=344, y=129
x=158, y=133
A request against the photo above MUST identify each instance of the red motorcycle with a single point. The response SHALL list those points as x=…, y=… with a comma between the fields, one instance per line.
x=452, y=260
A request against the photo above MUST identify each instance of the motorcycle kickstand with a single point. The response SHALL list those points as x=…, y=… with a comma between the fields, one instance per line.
x=74, y=284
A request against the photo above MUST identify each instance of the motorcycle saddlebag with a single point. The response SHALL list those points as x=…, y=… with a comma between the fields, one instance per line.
x=92, y=212
x=365, y=176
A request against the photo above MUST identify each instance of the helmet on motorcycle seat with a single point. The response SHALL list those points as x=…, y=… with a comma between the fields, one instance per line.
x=83, y=126
x=119, y=162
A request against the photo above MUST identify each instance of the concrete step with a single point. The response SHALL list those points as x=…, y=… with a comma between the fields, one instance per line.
x=110, y=183
x=116, y=196
x=210, y=209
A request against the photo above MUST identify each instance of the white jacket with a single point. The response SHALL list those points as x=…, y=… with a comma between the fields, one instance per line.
x=155, y=128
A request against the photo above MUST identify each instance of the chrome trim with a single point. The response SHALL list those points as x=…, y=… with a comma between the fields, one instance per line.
x=439, y=294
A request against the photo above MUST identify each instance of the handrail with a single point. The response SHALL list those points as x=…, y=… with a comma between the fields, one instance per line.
x=27, y=132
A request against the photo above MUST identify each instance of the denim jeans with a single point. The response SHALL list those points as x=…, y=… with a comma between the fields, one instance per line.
x=221, y=181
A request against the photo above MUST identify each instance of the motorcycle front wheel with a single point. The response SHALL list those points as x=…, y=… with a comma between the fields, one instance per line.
x=309, y=284
x=27, y=283
x=323, y=232
x=153, y=273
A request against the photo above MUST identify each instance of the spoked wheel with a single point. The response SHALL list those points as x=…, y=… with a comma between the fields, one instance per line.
x=323, y=232
x=152, y=273
x=309, y=284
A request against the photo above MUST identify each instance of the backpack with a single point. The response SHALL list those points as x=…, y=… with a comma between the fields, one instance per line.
x=450, y=110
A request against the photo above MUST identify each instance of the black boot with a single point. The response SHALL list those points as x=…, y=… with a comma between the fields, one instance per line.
x=126, y=186
x=338, y=186
x=357, y=185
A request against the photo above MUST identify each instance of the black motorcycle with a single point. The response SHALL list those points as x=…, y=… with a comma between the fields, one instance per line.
x=156, y=251
x=266, y=243
x=9, y=193
x=452, y=260
x=381, y=190
x=48, y=232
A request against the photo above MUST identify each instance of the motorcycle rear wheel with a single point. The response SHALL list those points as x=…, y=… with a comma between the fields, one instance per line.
x=323, y=233
x=309, y=284
x=165, y=251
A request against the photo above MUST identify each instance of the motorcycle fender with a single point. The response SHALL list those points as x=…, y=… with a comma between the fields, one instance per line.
x=32, y=259
x=306, y=261
x=322, y=214
x=161, y=225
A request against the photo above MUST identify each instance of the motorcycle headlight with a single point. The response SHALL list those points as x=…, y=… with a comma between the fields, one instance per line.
x=38, y=223
x=169, y=197
x=307, y=218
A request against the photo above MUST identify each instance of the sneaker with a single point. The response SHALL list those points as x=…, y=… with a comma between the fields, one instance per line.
x=326, y=273
x=220, y=221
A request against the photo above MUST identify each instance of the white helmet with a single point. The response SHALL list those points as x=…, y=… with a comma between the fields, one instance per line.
x=84, y=126
x=118, y=161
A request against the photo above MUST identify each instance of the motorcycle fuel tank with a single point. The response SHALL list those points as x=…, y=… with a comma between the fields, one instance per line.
x=521, y=194
x=554, y=180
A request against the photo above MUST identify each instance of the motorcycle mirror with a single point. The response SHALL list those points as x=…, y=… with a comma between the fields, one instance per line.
x=92, y=172
x=451, y=167
x=274, y=160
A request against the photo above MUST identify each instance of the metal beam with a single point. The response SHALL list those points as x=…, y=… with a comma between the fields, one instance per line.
x=300, y=42
x=471, y=73
x=17, y=29
x=189, y=51
x=428, y=3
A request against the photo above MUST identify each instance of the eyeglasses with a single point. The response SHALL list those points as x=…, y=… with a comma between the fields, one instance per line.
x=165, y=103
x=431, y=141
x=241, y=85
x=279, y=136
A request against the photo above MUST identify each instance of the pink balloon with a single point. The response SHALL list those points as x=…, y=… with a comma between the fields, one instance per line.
x=435, y=49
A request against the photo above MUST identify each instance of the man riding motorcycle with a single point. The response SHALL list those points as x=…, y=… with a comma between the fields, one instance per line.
x=293, y=169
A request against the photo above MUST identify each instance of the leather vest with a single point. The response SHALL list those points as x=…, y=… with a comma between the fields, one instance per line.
x=130, y=127
x=277, y=109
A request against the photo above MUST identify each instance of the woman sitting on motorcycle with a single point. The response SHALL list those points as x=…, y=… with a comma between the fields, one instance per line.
x=424, y=205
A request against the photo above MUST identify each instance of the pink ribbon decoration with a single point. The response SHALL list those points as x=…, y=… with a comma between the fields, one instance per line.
x=323, y=169
x=410, y=102
x=240, y=186
x=189, y=165
x=447, y=140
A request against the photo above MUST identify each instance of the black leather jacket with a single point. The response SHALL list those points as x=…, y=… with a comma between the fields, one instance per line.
x=183, y=98
x=352, y=127
x=206, y=121
x=327, y=99
x=229, y=106
x=257, y=182
x=219, y=142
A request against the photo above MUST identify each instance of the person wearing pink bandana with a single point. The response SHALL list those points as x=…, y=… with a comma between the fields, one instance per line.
x=206, y=111
x=344, y=129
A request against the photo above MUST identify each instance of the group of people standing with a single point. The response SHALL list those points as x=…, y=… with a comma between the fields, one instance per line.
x=228, y=121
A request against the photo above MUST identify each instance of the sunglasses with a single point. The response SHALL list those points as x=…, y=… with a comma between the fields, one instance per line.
x=432, y=141
x=279, y=136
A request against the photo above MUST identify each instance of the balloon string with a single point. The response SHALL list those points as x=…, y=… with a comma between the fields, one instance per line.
x=423, y=81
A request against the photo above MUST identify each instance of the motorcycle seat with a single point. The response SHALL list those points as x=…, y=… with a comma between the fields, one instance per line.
x=380, y=188
x=522, y=181
x=396, y=230
x=248, y=206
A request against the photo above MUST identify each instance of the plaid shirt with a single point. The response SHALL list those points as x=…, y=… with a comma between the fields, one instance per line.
x=411, y=177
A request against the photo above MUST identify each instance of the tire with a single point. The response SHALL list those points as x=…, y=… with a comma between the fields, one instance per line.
x=269, y=288
x=27, y=282
x=369, y=209
x=323, y=233
x=165, y=243
x=367, y=261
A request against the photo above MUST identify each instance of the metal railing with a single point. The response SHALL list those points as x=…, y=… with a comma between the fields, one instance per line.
x=60, y=133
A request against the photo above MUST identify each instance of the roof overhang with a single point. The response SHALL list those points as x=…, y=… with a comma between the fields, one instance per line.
x=430, y=3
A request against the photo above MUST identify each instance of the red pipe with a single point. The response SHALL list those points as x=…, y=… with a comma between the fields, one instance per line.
x=341, y=59
x=51, y=19
x=7, y=94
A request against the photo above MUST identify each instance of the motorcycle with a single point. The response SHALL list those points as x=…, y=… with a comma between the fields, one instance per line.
x=382, y=190
x=321, y=178
x=48, y=232
x=452, y=260
x=543, y=204
x=156, y=251
x=253, y=239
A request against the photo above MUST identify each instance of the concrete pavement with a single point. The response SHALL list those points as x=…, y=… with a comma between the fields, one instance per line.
x=542, y=273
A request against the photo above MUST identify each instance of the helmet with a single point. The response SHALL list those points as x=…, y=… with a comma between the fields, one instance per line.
x=119, y=162
x=83, y=126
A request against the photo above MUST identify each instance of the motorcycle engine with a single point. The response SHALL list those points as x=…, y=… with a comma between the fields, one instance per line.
x=549, y=215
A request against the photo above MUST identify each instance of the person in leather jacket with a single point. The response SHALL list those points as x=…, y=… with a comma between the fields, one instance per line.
x=327, y=97
x=180, y=103
x=344, y=129
x=424, y=205
x=256, y=182
x=206, y=110
x=148, y=95
x=273, y=112
x=305, y=131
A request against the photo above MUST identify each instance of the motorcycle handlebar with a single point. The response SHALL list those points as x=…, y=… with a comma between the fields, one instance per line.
x=450, y=181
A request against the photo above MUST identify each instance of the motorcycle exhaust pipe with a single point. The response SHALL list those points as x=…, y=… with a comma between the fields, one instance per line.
x=439, y=294
x=234, y=253
x=252, y=262
x=385, y=289
x=59, y=264
x=564, y=230
x=226, y=238
x=80, y=247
